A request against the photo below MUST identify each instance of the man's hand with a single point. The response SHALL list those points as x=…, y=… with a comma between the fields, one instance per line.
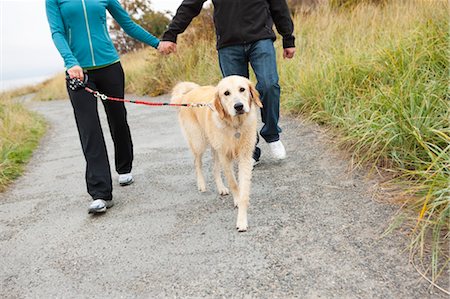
x=166, y=47
x=288, y=53
x=76, y=72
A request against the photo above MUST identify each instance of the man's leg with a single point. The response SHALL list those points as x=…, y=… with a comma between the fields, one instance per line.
x=233, y=60
x=263, y=61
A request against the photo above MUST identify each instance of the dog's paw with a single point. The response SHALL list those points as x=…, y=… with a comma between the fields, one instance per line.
x=223, y=191
x=242, y=225
x=241, y=222
x=201, y=185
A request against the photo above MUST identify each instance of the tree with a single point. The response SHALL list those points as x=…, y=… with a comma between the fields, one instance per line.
x=142, y=13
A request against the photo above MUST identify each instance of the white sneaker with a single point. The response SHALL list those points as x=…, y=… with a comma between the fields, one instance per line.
x=125, y=179
x=100, y=206
x=278, y=150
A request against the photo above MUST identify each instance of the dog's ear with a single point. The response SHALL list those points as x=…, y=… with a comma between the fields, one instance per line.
x=218, y=106
x=255, y=95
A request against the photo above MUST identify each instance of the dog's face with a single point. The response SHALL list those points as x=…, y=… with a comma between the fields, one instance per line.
x=235, y=96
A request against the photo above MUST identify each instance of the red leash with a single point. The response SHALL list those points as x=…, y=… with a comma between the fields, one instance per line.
x=103, y=97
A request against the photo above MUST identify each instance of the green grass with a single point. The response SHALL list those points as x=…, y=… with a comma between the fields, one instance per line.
x=383, y=85
x=20, y=132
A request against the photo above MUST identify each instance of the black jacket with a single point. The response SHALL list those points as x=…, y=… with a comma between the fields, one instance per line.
x=238, y=22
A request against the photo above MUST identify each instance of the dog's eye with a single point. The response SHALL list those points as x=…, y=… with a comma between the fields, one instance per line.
x=227, y=93
x=242, y=89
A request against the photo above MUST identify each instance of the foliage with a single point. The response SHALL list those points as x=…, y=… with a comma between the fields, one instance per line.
x=142, y=13
x=20, y=132
x=201, y=28
x=354, y=3
x=383, y=84
x=303, y=6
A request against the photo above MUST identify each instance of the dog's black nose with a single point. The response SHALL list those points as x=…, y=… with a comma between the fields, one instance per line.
x=238, y=106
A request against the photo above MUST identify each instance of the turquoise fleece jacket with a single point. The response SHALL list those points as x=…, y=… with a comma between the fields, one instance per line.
x=79, y=31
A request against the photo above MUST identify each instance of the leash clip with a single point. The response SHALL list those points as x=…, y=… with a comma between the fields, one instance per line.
x=200, y=105
x=100, y=96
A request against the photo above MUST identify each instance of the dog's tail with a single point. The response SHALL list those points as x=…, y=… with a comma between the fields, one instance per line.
x=181, y=89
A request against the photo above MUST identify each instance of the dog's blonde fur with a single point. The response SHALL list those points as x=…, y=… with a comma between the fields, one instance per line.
x=229, y=131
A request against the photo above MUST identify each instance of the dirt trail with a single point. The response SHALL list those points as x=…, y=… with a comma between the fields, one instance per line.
x=314, y=229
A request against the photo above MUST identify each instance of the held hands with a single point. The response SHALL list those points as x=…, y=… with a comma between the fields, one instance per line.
x=288, y=53
x=166, y=47
x=76, y=72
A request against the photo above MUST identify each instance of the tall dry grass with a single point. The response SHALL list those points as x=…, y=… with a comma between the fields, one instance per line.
x=380, y=76
x=159, y=74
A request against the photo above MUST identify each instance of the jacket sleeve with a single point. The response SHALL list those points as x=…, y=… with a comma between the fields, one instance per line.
x=188, y=10
x=59, y=33
x=283, y=22
x=129, y=26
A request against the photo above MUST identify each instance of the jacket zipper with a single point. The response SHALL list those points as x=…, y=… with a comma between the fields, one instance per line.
x=88, y=32
x=70, y=36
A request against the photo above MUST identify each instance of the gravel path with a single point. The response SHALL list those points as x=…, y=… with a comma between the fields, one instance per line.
x=314, y=229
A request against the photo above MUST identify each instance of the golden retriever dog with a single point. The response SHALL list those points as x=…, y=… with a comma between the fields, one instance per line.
x=228, y=128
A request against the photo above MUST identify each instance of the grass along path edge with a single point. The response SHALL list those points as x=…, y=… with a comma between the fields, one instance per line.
x=20, y=133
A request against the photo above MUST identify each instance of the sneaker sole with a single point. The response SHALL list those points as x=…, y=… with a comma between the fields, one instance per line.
x=127, y=183
x=95, y=211
x=278, y=158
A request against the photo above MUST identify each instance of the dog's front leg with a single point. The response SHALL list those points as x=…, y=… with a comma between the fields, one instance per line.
x=201, y=185
x=245, y=178
x=227, y=166
x=217, y=176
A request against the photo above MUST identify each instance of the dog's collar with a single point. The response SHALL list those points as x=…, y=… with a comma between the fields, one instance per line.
x=223, y=122
x=237, y=133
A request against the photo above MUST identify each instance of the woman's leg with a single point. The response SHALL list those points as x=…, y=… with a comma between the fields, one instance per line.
x=110, y=81
x=98, y=174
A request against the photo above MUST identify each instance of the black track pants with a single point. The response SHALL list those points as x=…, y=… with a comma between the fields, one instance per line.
x=110, y=81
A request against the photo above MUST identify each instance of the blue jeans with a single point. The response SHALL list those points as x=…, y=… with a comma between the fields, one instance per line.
x=234, y=60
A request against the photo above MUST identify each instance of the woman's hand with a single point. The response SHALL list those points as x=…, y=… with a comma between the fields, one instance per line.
x=166, y=47
x=76, y=72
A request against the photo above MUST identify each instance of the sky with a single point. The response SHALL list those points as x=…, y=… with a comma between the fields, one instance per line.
x=27, y=52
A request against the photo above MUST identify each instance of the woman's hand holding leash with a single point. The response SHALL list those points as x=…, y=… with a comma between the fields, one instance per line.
x=75, y=83
x=76, y=72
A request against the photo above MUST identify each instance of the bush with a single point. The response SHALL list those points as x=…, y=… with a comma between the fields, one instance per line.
x=141, y=12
